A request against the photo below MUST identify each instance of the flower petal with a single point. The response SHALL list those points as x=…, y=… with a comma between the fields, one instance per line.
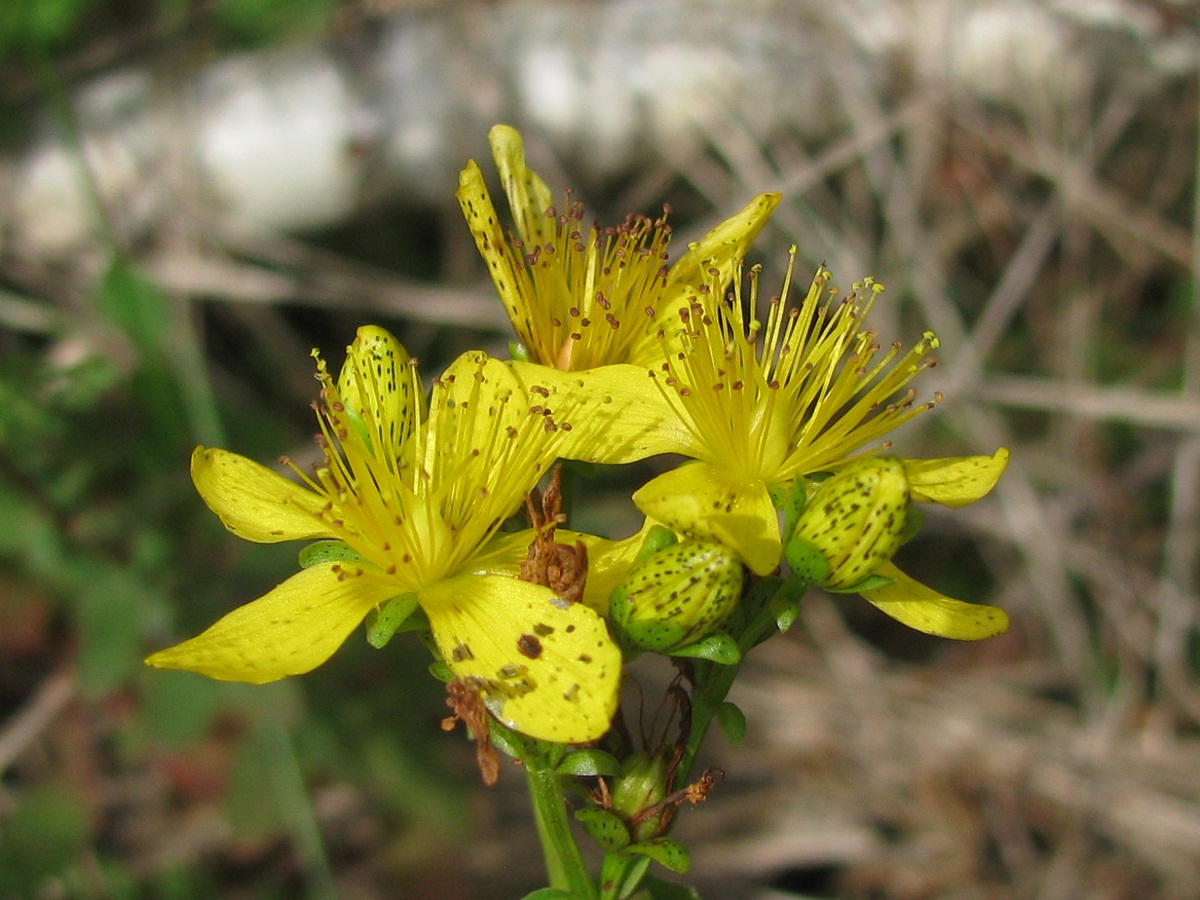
x=954, y=481
x=710, y=264
x=545, y=667
x=701, y=500
x=615, y=413
x=288, y=631
x=506, y=270
x=528, y=196
x=608, y=563
x=255, y=502
x=924, y=609
x=723, y=247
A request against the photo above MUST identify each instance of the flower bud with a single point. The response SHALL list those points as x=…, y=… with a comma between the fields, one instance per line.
x=677, y=595
x=855, y=521
x=641, y=786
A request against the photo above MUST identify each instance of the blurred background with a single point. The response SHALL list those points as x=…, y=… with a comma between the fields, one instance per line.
x=194, y=194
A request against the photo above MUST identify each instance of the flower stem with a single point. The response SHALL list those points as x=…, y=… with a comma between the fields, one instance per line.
x=564, y=863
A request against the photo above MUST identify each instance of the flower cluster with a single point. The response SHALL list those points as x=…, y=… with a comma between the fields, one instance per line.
x=780, y=408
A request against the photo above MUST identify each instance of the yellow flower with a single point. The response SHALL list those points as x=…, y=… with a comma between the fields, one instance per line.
x=856, y=521
x=418, y=497
x=581, y=298
x=760, y=404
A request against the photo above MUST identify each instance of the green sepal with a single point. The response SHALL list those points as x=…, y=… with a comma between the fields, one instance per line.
x=659, y=537
x=668, y=853
x=588, y=763
x=442, y=672
x=321, y=552
x=806, y=560
x=623, y=874
x=604, y=827
x=389, y=618
x=790, y=499
x=652, y=635
x=732, y=721
x=719, y=648
x=519, y=352
x=870, y=583
x=912, y=524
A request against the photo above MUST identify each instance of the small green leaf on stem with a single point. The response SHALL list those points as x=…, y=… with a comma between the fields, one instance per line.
x=668, y=853
x=732, y=721
x=718, y=648
x=604, y=827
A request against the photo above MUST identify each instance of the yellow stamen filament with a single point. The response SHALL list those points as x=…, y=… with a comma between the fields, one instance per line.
x=795, y=396
x=417, y=497
x=577, y=300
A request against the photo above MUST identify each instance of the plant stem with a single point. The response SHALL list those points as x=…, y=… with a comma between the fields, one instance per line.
x=564, y=862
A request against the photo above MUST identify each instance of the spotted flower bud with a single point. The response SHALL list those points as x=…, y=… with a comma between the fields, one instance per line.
x=677, y=595
x=851, y=525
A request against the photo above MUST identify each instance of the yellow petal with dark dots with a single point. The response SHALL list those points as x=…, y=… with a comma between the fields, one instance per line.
x=613, y=414
x=288, y=631
x=924, y=609
x=528, y=197
x=379, y=387
x=717, y=254
x=700, y=500
x=954, y=481
x=255, y=502
x=507, y=271
x=545, y=667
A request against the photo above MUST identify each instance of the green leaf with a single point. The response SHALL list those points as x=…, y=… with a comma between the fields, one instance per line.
x=657, y=889
x=668, y=853
x=718, y=648
x=785, y=602
x=384, y=622
x=529, y=750
x=550, y=894
x=604, y=827
x=589, y=763
x=320, y=552
x=732, y=721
